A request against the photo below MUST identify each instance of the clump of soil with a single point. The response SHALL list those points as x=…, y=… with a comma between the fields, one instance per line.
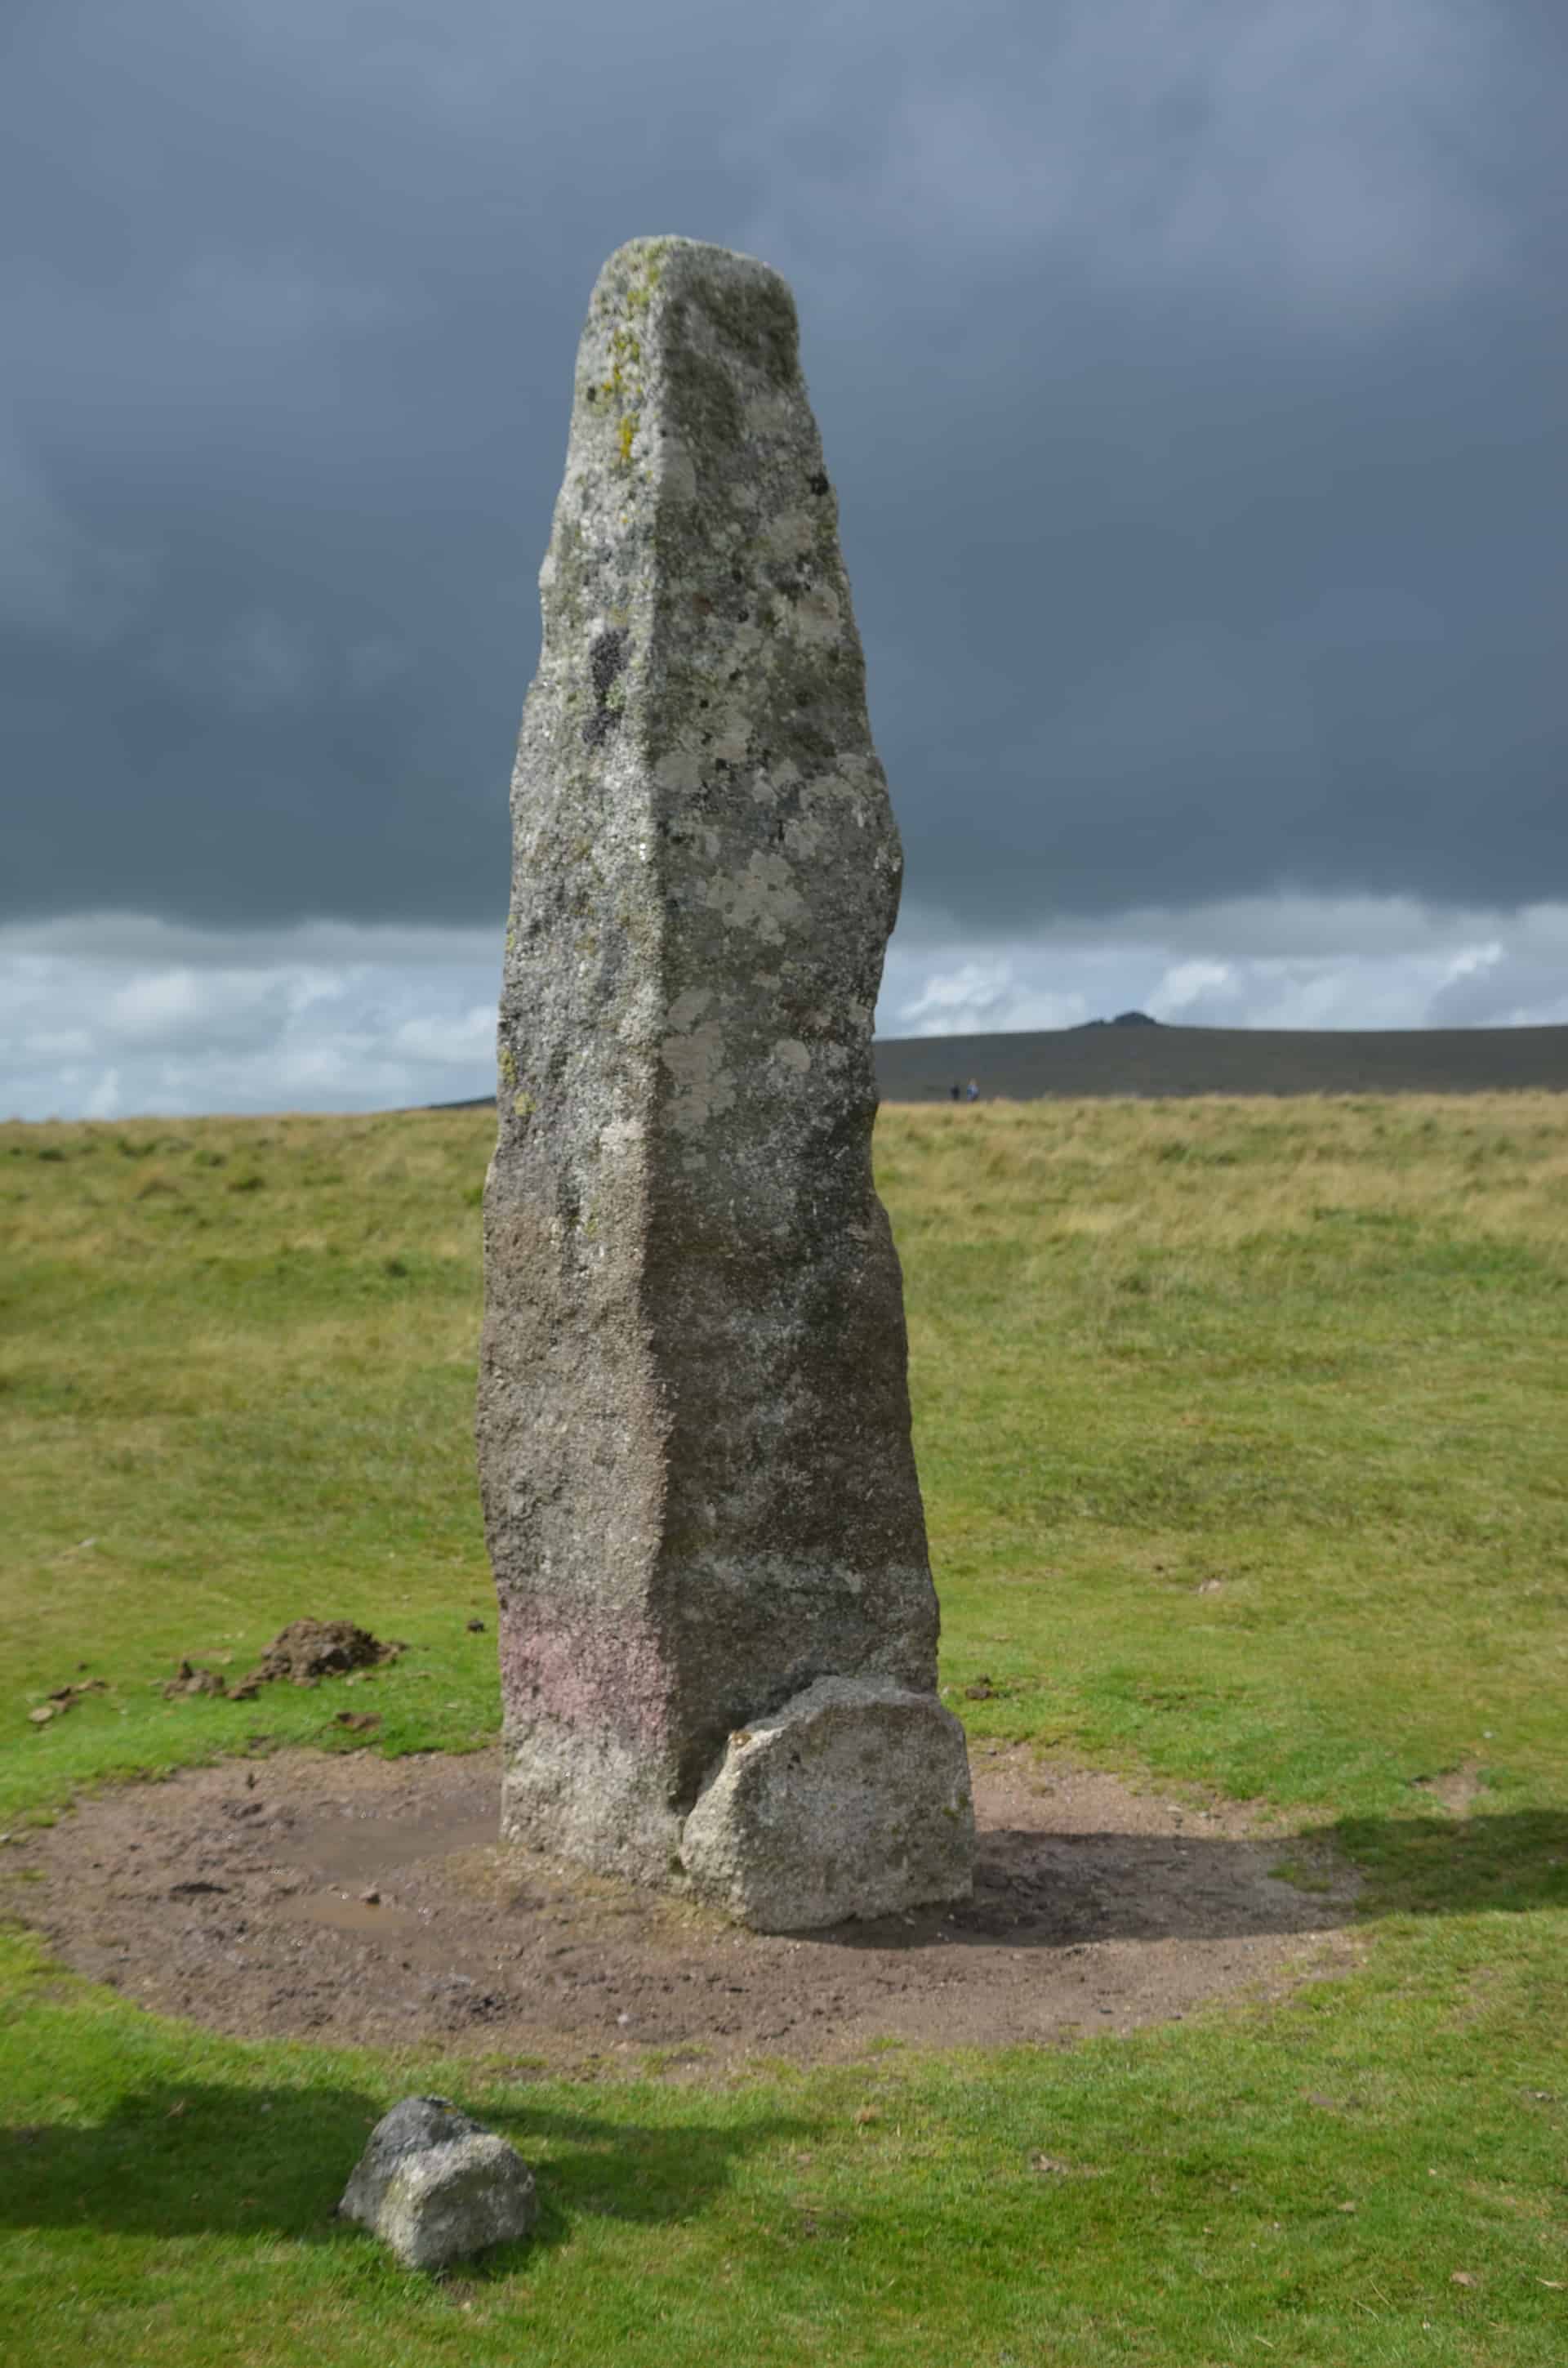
x=309, y=1649
x=65, y=1697
x=358, y=1899
x=301, y=1655
x=189, y=1680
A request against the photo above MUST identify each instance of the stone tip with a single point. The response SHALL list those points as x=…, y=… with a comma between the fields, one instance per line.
x=677, y=295
x=669, y=249
x=668, y=263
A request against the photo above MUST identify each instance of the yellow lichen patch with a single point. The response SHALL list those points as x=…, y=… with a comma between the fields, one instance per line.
x=640, y=295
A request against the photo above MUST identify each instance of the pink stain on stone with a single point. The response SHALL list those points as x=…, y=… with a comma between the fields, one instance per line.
x=577, y=1674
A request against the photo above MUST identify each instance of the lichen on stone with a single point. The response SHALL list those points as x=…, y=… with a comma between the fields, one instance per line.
x=694, y=1426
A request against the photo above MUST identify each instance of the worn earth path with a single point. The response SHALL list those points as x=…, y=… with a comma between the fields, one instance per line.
x=353, y=1900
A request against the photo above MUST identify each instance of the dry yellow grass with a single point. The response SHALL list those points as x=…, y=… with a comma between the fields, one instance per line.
x=1216, y=1172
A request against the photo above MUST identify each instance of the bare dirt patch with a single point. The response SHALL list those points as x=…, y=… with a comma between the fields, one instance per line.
x=1456, y=1789
x=346, y=1898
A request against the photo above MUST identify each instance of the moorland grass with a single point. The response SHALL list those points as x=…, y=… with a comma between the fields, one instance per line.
x=1242, y=1429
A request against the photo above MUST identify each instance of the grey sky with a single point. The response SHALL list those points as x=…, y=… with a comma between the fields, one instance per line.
x=1191, y=375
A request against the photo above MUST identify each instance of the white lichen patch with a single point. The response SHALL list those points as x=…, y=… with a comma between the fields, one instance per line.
x=803, y=834
x=688, y=1007
x=680, y=769
x=790, y=537
x=763, y=897
x=744, y=642
x=771, y=415
x=674, y=472
x=643, y=1018
x=619, y=1135
x=732, y=739
x=766, y=787
x=704, y=1087
x=790, y=1053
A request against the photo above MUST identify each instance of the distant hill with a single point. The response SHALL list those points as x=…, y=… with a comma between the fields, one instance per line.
x=1134, y=1055
x=1122, y=1056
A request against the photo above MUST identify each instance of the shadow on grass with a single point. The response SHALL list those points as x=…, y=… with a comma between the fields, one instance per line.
x=1509, y=1862
x=206, y=2160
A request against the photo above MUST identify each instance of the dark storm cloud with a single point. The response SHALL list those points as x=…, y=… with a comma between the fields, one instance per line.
x=1192, y=380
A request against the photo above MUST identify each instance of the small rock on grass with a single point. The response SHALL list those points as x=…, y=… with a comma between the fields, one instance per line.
x=436, y=2186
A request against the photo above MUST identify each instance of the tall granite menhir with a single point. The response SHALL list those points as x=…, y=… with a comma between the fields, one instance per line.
x=718, y=1626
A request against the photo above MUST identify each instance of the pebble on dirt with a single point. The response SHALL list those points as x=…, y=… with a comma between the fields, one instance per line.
x=436, y=2186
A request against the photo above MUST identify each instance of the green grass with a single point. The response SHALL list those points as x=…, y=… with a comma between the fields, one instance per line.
x=1243, y=1431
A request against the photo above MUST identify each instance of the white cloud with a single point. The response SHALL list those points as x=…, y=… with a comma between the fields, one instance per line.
x=1284, y=961
x=105, y=1015
x=1186, y=984
x=980, y=997
x=110, y=1014
x=449, y=1039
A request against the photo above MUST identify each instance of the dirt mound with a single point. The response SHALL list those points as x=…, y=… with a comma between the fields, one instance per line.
x=309, y=1649
x=361, y=1900
x=300, y=1655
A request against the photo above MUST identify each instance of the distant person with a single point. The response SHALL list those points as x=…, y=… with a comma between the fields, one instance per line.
x=958, y=1093
x=971, y=1091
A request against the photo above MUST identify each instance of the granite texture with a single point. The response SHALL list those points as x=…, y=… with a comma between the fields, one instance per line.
x=699, y=1489
x=852, y=1800
x=436, y=2186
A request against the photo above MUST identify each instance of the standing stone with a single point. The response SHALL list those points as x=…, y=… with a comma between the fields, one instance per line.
x=699, y=1493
